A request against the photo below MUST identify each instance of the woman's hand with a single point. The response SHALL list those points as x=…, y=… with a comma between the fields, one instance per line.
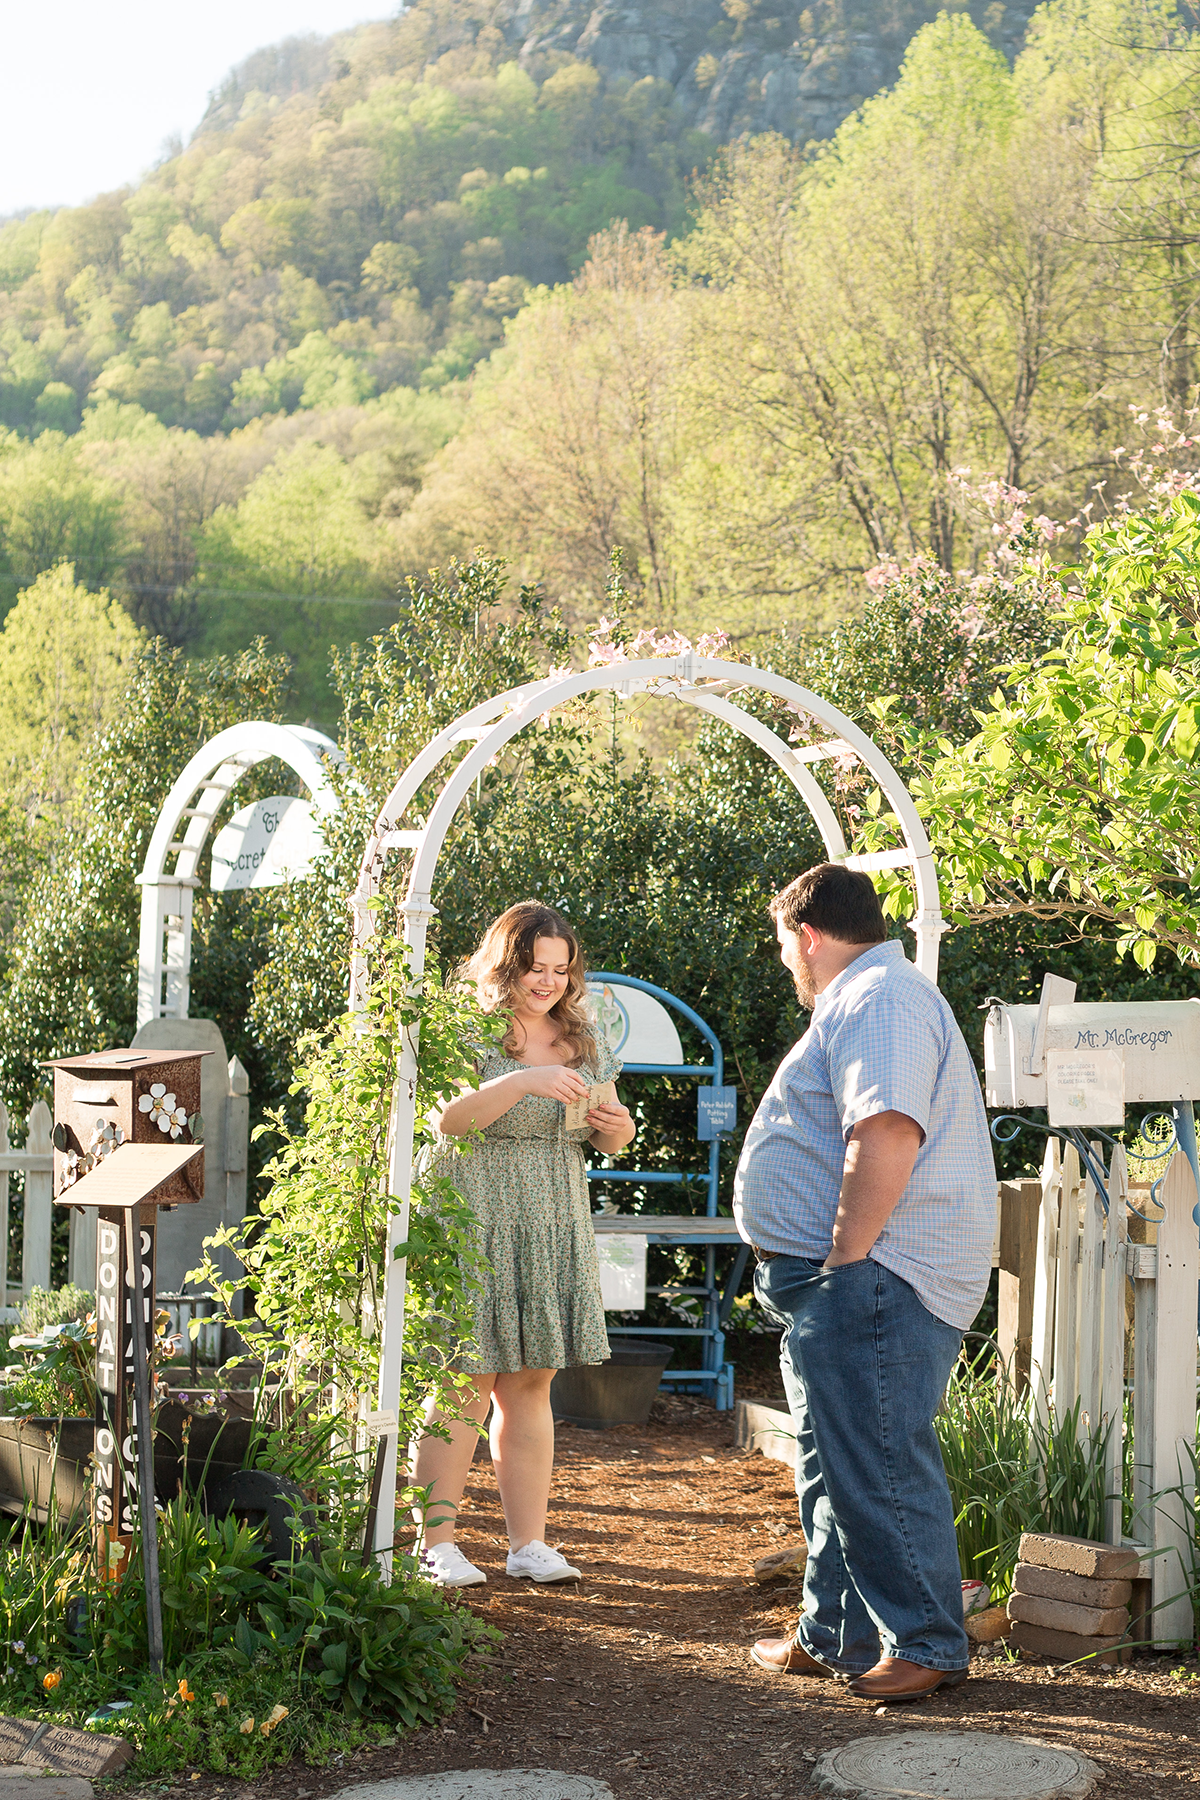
x=479, y=1107
x=553, y=1082
x=612, y=1128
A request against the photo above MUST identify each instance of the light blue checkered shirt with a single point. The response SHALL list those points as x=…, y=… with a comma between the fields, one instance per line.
x=882, y=1039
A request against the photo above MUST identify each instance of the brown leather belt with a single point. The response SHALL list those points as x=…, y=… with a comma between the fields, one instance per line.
x=765, y=1255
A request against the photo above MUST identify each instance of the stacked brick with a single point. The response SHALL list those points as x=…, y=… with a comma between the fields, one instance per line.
x=1071, y=1598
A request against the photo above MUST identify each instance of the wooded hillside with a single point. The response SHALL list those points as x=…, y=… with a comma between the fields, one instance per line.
x=356, y=326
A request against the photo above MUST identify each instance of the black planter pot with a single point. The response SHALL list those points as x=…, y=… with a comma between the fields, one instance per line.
x=46, y=1459
x=617, y=1392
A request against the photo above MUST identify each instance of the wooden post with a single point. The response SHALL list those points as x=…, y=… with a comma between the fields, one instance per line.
x=4, y=1146
x=1112, y=1358
x=1020, y=1204
x=1090, y=1321
x=139, y=1260
x=1066, y=1307
x=1175, y=1405
x=1041, y=1356
x=237, y=1139
x=39, y=1201
x=1142, y=1263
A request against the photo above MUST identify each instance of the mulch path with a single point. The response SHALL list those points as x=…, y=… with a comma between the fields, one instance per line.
x=639, y=1675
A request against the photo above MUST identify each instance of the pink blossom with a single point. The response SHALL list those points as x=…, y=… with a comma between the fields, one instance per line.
x=879, y=577
x=712, y=643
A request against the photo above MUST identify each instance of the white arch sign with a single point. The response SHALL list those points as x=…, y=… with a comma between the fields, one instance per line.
x=165, y=940
x=693, y=680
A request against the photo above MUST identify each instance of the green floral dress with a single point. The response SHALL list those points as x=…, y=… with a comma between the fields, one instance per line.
x=525, y=1180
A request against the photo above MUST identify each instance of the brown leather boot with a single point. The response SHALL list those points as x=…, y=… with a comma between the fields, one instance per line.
x=784, y=1656
x=894, y=1679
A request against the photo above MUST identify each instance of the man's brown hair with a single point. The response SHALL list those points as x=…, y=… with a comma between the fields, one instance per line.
x=838, y=901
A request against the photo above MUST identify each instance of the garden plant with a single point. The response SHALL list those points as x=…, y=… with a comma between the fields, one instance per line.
x=261, y=1658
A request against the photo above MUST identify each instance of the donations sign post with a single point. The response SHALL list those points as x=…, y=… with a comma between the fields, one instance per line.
x=127, y=1140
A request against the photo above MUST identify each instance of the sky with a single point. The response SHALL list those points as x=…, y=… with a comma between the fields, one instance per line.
x=94, y=91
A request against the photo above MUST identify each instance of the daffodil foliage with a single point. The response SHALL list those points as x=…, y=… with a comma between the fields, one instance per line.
x=1079, y=796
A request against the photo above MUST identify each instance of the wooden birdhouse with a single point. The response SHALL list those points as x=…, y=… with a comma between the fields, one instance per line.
x=115, y=1097
x=127, y=1141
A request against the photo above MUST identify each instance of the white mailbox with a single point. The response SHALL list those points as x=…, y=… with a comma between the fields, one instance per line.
x=1156, y=1043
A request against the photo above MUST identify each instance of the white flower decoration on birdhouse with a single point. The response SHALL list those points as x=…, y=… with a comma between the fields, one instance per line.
x=106, y=1137
x=164, y=1109
x=73, y=1167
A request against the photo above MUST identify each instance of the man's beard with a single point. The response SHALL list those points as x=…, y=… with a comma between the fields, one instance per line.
x=806, y=993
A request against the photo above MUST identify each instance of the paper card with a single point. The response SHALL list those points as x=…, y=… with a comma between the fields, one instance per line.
x=1085, y=1087
x=601, y=1093
x=622, y=1271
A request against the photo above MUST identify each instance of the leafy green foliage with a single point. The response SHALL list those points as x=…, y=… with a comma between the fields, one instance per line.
x=55, y=1306
x=1011, y=1471
x=315, y=1259
x=386, y=223
x=63, y=1382
x=66, y=658
x=317, y=1657
x=69, y=980
x=364, y=1646
x=1077, y=798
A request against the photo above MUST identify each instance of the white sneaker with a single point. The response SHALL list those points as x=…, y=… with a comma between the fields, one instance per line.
x=446, y=1566
x=540, y=1563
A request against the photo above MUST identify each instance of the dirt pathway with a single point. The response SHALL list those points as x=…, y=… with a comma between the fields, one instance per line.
x=639, y=1675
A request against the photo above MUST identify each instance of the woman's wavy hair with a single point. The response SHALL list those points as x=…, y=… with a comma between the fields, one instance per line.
x=506, y=954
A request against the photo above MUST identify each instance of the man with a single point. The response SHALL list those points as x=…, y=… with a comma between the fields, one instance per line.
x=867, y=1189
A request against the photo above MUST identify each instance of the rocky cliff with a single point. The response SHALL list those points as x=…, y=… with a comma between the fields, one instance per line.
x=737, y=66
x=741, y=66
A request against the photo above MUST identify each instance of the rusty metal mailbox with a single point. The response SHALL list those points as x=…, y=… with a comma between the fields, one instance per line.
x=115, y=1097
x=127, y=1140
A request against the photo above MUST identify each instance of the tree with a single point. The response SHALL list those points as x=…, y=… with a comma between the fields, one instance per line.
x=1078, y=800
x=53, y=509
x=907, y=299
x=1122, y=77
x=67, y=656
x=70, y=981
x=298, y=561
x=573, y=437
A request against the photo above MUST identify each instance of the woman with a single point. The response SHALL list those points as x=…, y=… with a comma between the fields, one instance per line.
x=540, y=1309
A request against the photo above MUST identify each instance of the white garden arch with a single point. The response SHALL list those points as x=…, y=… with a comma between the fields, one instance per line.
x=165, y=940
x=692, y=680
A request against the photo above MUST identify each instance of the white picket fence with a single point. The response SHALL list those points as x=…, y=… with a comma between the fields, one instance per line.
x=36, y=1163
x=1080, y=1349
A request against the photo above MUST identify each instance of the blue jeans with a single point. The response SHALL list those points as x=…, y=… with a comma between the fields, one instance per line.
x=864, y=1367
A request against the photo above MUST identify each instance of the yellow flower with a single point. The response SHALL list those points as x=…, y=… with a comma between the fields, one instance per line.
x=278, y=1715
x=246, y=1727
x=185, y=1692
x=51, y=1679
x=221, y=1699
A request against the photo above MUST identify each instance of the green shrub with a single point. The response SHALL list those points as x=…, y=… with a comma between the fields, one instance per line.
x=67, y=1305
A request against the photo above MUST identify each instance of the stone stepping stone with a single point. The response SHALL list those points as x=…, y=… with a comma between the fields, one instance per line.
x=953, y=1765
x=27, y=1784
x=480, y=1784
